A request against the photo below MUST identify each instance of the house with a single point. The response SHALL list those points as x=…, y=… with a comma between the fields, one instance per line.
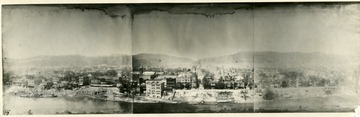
x=184, y=78
x=63, y=83
x=31, y=83
x=17, y=82
x=160, y=73
x=147, y=75
x=55, y=80
x=154, y=88
x=83, y=81
x=94, y=81
x=170, y=82
x=74, y=84
x=108, y=80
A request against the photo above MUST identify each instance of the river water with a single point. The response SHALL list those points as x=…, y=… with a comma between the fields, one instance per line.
x=84, y=105
x=48, y=106
x=20, y=105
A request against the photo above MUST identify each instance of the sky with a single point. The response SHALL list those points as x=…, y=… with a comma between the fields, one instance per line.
x=30, y=31
x=299, y=28
x=191, y=35
x=331, y=30
x=190, y=31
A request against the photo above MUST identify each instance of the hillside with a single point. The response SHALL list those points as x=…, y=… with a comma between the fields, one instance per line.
x=303, y=60
x=69, y=61
x=241, y=59
x=280, y=60
x=158, y=60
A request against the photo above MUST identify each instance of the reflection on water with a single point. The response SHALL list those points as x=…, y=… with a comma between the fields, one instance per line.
x=20, y=105
x=190, y=108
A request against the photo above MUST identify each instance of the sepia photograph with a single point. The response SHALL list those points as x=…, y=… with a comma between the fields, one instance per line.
x=170, y=58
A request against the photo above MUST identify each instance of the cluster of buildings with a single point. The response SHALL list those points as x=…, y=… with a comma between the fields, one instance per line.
x=154, y=84
x=67, y=82
x=158, y=84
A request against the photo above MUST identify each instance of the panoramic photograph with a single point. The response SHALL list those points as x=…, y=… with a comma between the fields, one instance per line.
x=180, y=58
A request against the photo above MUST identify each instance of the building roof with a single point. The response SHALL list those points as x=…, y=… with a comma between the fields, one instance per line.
x=153, y=81
x=166, y=76
x=148, y=73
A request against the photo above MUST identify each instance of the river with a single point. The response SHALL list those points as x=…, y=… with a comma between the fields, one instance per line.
x=20, y=106
x=84, y=105
x=48, y=106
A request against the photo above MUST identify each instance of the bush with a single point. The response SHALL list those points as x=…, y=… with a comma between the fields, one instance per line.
x=269, y=95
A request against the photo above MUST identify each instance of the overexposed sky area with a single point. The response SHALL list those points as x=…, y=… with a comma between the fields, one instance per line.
x=189, y=30
x=57, y=30
x=331, y=29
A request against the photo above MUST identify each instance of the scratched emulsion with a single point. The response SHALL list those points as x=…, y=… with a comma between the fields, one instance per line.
x=181, y=58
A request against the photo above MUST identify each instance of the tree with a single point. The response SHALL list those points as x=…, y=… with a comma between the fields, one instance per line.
x=48, y=85
x=111, y=73
x=244, y=94
x=269, y=95
x=284, y=84
x=322, y=82
x=69, y=75
x=246, y=79
x=187, y=86
x=221, y=84
x=291, y=76
x=179, y=86
x=206, y=83
x=313, y=80
x=6, y=78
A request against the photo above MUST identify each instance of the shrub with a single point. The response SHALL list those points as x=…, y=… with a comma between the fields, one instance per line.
x=269, y=95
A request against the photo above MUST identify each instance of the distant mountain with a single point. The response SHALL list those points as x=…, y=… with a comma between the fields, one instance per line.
x=70, y=61
x=301, y=60
x=159, y=60
x=241, y=59
x=281, y=60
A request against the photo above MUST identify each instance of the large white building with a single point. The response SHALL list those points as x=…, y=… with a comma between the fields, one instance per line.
x=154, y=88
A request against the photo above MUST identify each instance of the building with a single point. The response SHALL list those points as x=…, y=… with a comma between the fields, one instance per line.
x=95, y=81
x=108, y=80
x=147, y=75
x=187, y=78
x=83, y=81
x=31, y=83
x=170, y=82
x=55, y=80
x=154, y=88
x=213, y=84
x=184, y=78
x=17, y=82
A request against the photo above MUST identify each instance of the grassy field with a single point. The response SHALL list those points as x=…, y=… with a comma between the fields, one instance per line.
x=310, y=99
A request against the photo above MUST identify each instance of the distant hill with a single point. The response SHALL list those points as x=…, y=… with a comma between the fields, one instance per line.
x=159, y=60
x=70, y=61
x=280, y=60
x=301, y=60
x=241, y=59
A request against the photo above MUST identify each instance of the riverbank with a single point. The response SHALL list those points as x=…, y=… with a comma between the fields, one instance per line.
x=108, y=94
x=113, y=94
